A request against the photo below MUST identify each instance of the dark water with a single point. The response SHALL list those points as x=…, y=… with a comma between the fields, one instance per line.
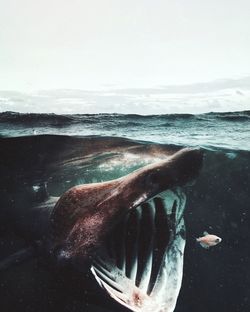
x=228, y=130
x=214, y=280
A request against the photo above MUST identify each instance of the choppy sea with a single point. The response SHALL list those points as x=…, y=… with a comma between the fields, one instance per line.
x=216, y=130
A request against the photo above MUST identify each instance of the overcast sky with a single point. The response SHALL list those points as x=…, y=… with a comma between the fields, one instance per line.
x=105, y=45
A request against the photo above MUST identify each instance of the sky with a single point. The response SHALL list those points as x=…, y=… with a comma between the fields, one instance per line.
x=132, y=51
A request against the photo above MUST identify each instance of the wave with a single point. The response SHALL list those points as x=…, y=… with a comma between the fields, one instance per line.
x=24, y=118
x=231, y=116
x=15, y=117
x=228, y=130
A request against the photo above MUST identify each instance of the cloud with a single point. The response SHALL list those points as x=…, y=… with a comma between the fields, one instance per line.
x=219, y=95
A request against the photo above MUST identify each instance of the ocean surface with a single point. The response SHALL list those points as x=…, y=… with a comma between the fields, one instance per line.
x=61, y=151
x=212, y=130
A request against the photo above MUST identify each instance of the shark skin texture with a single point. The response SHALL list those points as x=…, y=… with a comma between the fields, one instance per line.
x=128, y=232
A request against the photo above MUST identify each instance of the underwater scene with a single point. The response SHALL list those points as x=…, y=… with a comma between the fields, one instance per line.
x=110, y=212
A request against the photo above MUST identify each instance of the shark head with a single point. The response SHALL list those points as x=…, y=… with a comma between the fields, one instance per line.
x=131, y=230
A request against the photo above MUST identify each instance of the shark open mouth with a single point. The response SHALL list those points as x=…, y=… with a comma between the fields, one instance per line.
x=141, y=262
x=131, y=230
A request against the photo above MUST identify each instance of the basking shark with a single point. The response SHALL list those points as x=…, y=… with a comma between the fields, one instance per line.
x=129, y=231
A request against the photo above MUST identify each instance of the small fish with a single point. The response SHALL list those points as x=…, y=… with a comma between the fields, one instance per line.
x=208, y=240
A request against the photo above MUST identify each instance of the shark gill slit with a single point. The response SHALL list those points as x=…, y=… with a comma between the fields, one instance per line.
x=139, y=242
x=135, y=263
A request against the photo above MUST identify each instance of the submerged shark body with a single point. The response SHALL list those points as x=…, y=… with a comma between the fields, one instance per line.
x=129, y=231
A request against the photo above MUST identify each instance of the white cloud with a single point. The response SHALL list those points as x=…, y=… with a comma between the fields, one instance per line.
x=222, y=95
